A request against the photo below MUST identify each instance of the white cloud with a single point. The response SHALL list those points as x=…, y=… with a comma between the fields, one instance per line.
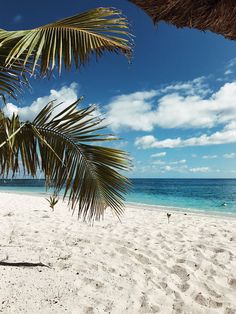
x=194, y=87
x=167, y=168
x=174, y=166
x=183, y=105
x=228, y=72
x=225, y=136
x=149, y=141
x=180, y=168
x=158, y=162
x=171, y=163
x=66, y=95
x=200, y=169
x=162, y=154
x=231, y=63
x=230, y=67
x=229, y=156
x=120, y=144
x=209, y=156
x=133, y=111
x=145, y=142
x=178, y=162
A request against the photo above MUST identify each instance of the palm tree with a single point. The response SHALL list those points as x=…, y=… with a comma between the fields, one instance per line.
x=62, y=145
x=58, y=145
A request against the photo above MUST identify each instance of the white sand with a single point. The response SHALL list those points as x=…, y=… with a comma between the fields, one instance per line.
x=142, y=265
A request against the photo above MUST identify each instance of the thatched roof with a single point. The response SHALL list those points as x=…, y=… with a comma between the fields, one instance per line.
x=218, y=16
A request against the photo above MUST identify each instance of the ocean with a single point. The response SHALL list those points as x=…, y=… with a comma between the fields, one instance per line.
x=206, y=195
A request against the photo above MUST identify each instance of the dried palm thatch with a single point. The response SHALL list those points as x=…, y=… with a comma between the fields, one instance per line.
x=218, y=16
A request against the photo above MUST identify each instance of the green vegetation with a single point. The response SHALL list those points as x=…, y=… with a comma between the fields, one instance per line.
x=62, y=145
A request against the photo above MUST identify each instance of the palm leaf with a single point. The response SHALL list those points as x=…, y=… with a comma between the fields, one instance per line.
x=13, y=78
x=59, y=146
x=74, y=38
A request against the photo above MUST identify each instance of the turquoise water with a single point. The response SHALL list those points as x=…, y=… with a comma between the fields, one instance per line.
x=193, y=194
x=197, y=194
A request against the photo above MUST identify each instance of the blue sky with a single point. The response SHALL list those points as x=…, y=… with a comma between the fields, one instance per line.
x=174, y=106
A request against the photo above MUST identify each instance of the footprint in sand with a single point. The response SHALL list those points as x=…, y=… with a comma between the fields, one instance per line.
x=190, y=263
x=166, y=288
x=122, y=250
x=146, y=307
x=180, y=272
x=184, y=287
x=222, y=255
x=142, y=259
x=94, y=283
x=207, y=302
x=138, y=256
x=212, y=292
x=178, y=307
x=232, y=282
x=89, y=310
x=228, y=310
x=45, y=216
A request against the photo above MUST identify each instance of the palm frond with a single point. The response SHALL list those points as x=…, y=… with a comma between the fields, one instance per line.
x=13, y=78
x=74, y=38
x=62, y=146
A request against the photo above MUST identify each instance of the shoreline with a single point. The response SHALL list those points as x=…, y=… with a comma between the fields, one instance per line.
x=182, y=210
x=143, y=206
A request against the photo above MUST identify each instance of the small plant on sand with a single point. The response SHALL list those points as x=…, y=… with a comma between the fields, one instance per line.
x=52, y=200
x=168, y=217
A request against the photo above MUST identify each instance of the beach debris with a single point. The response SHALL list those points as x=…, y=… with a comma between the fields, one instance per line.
x=23, y=264
x=6, y=262
x=53, y=200
x=168, y=217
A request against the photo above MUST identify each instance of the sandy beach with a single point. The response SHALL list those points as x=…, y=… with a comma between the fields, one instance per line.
x=141, y=265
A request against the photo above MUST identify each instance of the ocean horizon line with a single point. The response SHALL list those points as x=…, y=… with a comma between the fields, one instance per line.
x=137, y=178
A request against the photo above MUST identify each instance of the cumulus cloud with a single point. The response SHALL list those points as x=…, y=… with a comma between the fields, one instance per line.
x=180, y=168
x=162, y=154
x=178, y=162
x=149, y=141
x=66, y=95
x=230, y=67
x=133, y=111
x=228, y=72
x=200, y=169
x=197, y=86
x=158, y=162
x=167, y=168
x=209, y=156
x=183, y=105
x=225, y=136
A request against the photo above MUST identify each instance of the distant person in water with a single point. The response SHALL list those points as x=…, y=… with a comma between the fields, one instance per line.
x=224, y=204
